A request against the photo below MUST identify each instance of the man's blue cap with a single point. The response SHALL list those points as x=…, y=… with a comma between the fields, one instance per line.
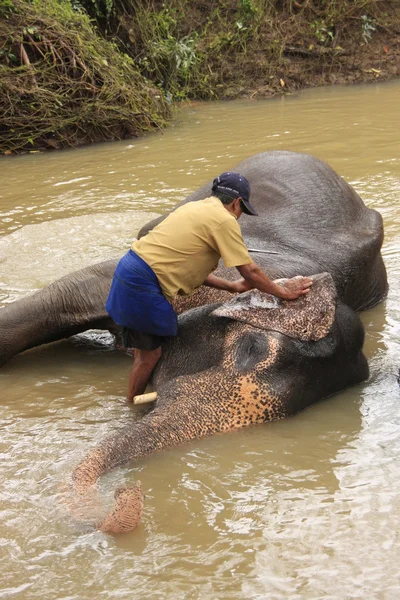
x=236, y=186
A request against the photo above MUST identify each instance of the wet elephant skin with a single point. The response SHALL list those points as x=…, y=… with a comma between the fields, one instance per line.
x=308, y=215
x=239, y=372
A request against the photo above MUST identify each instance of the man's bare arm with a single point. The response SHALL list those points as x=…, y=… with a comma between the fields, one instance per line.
x=221, y=284
x=256, y=278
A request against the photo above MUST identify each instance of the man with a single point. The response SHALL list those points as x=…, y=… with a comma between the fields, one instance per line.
x=175, y=258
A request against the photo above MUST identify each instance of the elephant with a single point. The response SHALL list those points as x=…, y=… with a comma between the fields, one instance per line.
x=238, y=359
x=310, y=221
x=245, y=361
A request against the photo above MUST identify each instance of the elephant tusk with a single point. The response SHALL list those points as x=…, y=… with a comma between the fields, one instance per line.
x=145, y=398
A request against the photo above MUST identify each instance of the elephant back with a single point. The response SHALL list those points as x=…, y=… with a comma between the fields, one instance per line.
x=310, y=220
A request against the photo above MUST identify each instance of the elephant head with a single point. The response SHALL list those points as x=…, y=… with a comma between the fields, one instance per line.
x=249, y=360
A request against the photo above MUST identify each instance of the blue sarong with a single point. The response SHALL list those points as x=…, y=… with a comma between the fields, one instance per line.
x=136, y=300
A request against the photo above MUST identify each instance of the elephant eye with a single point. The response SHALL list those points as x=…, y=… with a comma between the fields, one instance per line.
x=250, y=350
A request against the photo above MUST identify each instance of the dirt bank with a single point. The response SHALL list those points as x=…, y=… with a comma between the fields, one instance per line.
x=355, y=62
x=307, y=43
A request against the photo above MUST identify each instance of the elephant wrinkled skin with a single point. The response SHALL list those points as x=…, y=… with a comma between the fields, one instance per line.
x=238, y=360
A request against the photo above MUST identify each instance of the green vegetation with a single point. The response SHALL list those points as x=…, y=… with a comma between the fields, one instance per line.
x=61, y=84
x=209, y=49
x=76, y=71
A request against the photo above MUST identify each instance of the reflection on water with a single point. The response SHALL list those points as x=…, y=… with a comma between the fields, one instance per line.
x=303, y=508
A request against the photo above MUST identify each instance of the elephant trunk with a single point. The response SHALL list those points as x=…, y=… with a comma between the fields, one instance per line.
x=175, y=422
x=126, y=513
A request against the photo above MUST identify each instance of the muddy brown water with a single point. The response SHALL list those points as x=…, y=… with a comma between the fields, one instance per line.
x=304, y=508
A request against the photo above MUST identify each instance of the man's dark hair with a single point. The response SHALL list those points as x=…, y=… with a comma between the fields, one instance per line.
x=229, y=186
x=225, y=199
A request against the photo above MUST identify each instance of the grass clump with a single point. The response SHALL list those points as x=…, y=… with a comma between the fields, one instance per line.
x=62, y=84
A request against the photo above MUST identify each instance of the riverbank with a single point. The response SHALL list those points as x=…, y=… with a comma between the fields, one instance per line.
x=67, y=81
x=356, y=63
x=351, y=64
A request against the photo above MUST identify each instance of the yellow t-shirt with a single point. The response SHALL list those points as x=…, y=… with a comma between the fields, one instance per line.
x=185, y=248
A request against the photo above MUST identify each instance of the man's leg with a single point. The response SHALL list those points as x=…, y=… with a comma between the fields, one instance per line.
x=142, y=368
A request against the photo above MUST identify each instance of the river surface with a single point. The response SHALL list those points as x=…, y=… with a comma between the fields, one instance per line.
x=305, y=508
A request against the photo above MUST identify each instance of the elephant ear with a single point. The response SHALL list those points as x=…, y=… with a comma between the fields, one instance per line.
x=308, y=318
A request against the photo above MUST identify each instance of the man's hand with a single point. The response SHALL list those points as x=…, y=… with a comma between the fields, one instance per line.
x=298, y=286
x=290, y=290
